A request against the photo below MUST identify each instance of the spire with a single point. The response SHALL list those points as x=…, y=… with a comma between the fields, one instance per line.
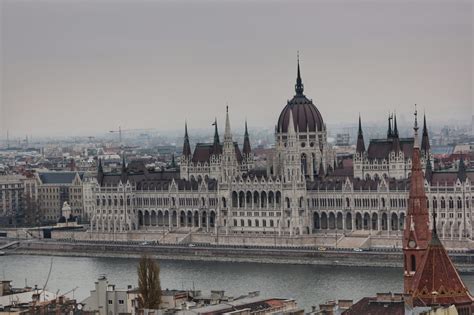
x=395, y=128
x=124, y=166
x=227, y=133
x=389, y=132
x=123, y=176
x=360, y=148
x=396, y=140
x=173, y=162
x=425, y=141
x=462, y=170
x=415, y=241
x=416, y=143
x=216, y=146
x=428, y=170
x=246, y=148
x=186, y=146
x=299, y=87
x=100, y=172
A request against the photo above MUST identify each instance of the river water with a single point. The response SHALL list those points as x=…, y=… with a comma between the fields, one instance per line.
x=308, y=284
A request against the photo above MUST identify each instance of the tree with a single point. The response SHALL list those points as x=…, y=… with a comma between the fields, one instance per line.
x=149, y=287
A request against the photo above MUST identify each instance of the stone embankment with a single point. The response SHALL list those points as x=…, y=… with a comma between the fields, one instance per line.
x=207, y=252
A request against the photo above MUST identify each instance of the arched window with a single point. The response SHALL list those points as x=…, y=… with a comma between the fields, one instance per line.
x=451, y=203
x=413, y=263
x=249, y=222
x=459, y=203
x=443, y=203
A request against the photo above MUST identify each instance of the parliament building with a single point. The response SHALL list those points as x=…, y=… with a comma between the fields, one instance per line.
x=303, y=189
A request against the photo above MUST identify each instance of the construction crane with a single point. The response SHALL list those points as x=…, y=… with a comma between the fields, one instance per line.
x=120, y=131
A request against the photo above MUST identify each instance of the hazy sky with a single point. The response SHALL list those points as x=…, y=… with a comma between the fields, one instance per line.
x=73, y=67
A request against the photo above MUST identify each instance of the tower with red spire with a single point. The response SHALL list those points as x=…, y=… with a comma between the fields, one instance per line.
x=416, y=235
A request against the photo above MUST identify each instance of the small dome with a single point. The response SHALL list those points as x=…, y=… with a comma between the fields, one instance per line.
x=306, y=117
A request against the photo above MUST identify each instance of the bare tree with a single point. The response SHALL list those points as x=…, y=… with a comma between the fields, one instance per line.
x=149, y=287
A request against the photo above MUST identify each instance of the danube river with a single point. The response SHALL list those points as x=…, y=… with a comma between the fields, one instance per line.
x=308, y=284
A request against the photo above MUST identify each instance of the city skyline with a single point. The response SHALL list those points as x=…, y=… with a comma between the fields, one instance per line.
x=108, y=64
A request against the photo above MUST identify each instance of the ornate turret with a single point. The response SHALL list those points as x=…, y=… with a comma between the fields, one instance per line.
x=425, y=141
x=246, y=148
x=229, y=161
x=360, y=148
x=416, y=234
x=186, y=146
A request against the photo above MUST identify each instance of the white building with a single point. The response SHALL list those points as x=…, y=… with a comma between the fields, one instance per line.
x=301, y=191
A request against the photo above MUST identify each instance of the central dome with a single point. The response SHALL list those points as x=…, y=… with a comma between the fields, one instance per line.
x=306, y=117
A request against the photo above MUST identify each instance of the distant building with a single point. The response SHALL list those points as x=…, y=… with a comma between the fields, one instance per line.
x=54, y=188
x=342, y=139
x=17, y=193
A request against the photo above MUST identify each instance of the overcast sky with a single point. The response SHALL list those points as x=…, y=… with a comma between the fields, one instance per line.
x=74, y=67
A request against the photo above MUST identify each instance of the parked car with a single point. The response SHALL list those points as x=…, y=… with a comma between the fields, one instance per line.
x=191, y=245
x=357, y=249
x=322, y=249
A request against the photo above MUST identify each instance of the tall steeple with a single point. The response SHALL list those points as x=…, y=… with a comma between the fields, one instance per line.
x=389, y=131
x=299, y=87
x=416, y=235
x=246, y=148
x=396, y=139
x=425, y=141
x=186, y=146
x=227, y=133
x=360, y=148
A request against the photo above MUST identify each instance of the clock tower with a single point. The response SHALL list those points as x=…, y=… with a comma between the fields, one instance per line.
x=416, y=235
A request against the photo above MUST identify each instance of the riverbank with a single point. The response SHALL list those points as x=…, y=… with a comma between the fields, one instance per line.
x=300, y=256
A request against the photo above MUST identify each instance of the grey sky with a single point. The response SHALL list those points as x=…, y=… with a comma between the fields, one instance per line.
x=74, y=67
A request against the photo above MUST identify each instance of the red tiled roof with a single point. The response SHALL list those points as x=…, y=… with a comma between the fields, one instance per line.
x=380, y=148
x=370, y=305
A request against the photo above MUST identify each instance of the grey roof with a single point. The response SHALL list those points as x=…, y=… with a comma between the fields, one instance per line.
x=59, y=177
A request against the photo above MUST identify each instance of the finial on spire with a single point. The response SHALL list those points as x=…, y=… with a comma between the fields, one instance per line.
x=415, y=128
x=299, y=88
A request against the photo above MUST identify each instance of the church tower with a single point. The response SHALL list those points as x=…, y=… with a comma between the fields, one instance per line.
x=247, y=150
x=186, y=156
x=416, y=235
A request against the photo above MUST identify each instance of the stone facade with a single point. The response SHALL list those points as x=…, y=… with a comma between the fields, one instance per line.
x=302, y=191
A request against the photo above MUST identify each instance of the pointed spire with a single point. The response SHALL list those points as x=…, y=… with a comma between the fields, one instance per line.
x=173, y=162
x=100, y=172
x=396, y=141
x=186, y=146
x=416, y=143
x=227, y=133
x=425, y=141
x=299, y=87
x=395, y=128
x=360, y=148
x=124, y=165
x=428, y=170
x=389, y=131
x=216, y=146
x=462, y=170
x=246, y=148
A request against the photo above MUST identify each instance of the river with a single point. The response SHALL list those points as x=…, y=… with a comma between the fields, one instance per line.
x=308, y=284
